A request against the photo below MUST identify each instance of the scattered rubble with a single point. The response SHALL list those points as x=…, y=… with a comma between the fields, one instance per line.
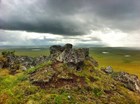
x=13, y=62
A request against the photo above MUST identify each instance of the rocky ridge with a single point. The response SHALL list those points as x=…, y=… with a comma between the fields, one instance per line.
x=71, y=76
x=78, y=59
x=13, y=62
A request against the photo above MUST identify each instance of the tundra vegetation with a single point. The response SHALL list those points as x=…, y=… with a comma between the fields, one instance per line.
x=70, y=76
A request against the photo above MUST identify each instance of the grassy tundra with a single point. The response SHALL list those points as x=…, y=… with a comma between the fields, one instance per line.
x=127, y=60
x=18, y=89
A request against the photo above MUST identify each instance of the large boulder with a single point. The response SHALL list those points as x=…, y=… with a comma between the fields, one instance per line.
x=130, y=81
x=55, y=51
x=67, y=54
x=68, y=46
x=72, y=57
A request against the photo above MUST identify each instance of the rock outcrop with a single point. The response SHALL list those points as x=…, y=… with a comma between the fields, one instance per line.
x=73, y=57
x=67, y=54
x=97, y=85
x=13, y=62
x=130, y=81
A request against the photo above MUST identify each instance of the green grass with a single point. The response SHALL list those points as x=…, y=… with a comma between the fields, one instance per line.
x=116, y=58
x=31, y=70
x=17, y=89
x=8, y=82
x=30, y=52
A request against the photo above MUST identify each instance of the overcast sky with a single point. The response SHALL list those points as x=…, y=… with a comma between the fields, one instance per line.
x=112, y=23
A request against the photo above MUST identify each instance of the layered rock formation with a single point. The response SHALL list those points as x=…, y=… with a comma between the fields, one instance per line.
x=67, y=54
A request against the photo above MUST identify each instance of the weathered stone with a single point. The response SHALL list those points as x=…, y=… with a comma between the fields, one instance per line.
x=68, y=55
x=68, y=46
x=130, y=81
x=23, y=68
x=1, y=65
x=12, y=61
x=55, y=51
x=72, y=57
x=107, y=70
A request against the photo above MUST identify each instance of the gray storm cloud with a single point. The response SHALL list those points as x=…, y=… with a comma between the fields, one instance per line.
x=98, y=22
x=69, y=17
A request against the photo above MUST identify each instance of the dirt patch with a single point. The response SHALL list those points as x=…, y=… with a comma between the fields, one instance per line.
x=55, y=82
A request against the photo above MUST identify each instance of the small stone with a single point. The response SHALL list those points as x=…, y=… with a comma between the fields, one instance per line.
x=69, y=97
x=107, y=70
x=23, y=68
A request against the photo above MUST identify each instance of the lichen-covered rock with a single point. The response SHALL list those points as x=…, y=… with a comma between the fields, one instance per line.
x=23, y=68
x=14, y=62
x=130, y=81
x=68, y=46
x=67, y=55
x=72, y=57
x=107, y=70
x=55, y=51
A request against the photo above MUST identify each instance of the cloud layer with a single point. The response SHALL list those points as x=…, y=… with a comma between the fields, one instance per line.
x=70, y=18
